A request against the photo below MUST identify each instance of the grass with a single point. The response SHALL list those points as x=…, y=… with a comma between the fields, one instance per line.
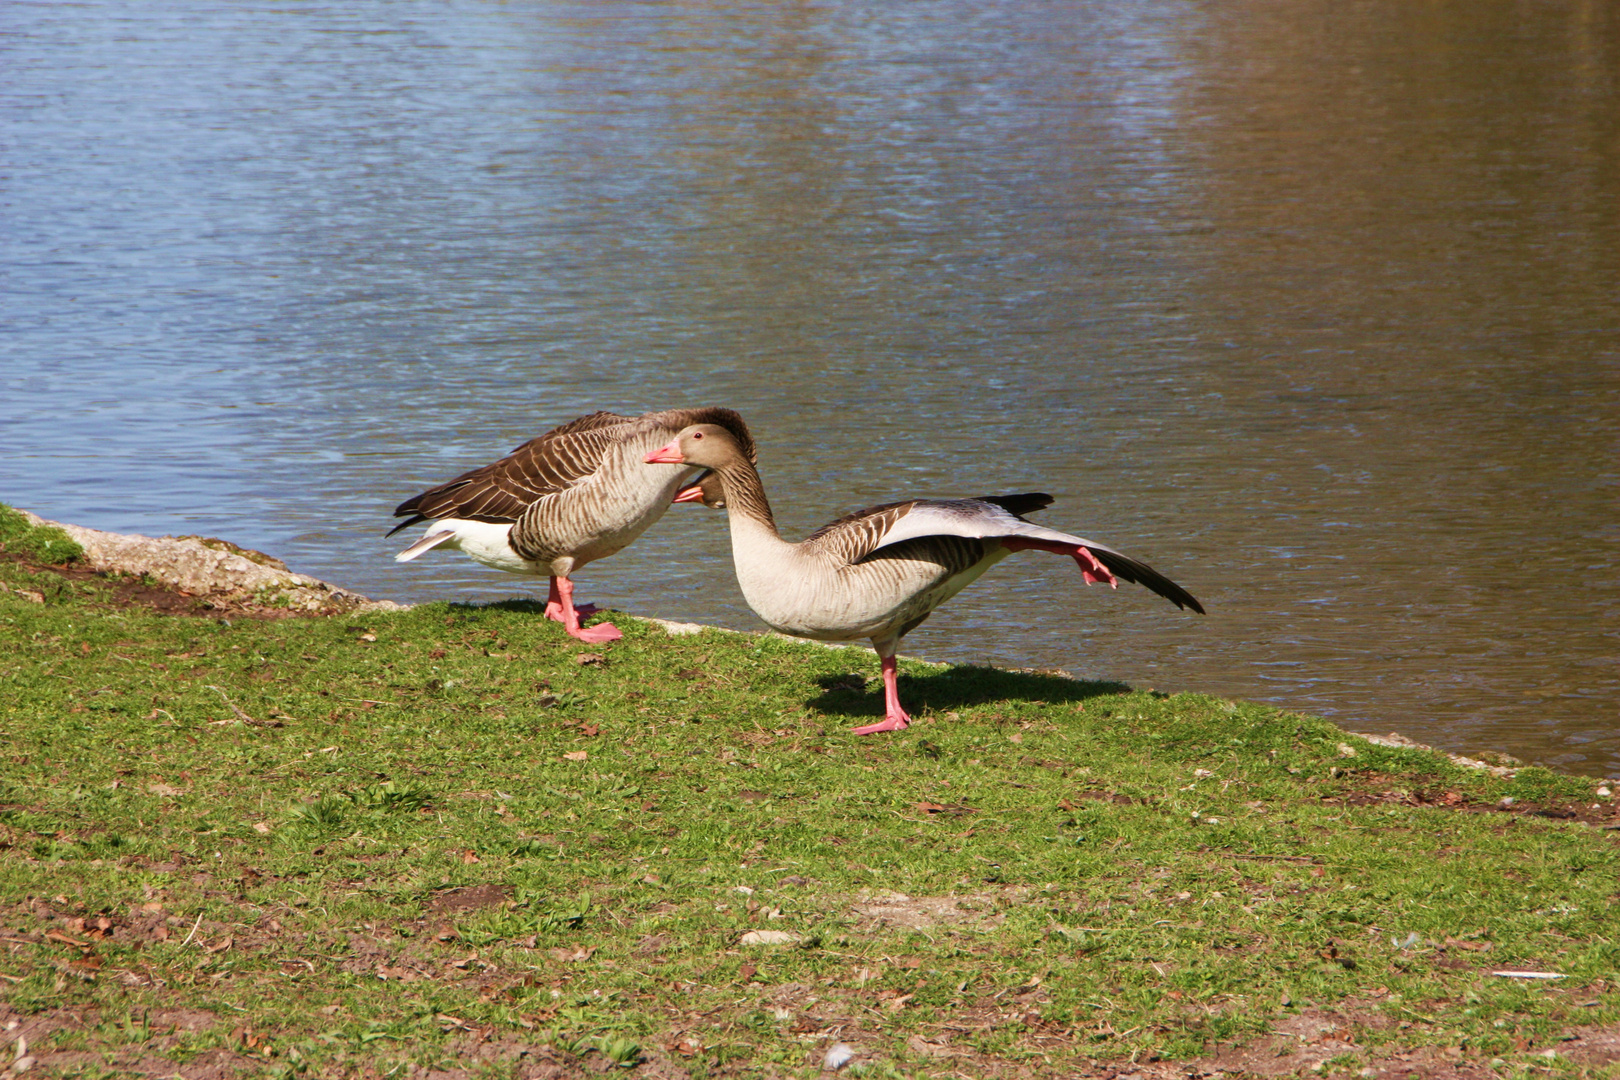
x=452, y=838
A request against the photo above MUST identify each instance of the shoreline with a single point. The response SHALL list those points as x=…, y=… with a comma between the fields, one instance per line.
x=226, y=575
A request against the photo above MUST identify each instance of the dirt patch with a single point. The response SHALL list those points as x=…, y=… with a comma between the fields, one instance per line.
x=885, y=909
x=1373, y=789
x=472, y=898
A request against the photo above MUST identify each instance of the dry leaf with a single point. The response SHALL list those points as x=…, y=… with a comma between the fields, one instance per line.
x=219, y=946
x=589, y=729
x=165, y=790
x=746, y=972
x=261, y=827
x=469, y=858
x=576, y=755
x=940, y=808
x=590, y=658
x=767, y=937
x=570, y=956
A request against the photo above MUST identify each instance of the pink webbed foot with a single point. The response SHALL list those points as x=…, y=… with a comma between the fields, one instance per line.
x=894, y=717
x=596, y=635
x=555, y=612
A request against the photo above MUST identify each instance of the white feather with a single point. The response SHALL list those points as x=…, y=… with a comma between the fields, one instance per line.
x=971, y=518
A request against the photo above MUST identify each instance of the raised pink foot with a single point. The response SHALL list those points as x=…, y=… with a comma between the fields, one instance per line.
x=888, y=723
x=596, y=635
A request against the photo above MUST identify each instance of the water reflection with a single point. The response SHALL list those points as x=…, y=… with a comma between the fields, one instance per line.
x=1310, y=306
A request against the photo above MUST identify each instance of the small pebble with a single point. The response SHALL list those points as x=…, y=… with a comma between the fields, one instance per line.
x=1604, y=791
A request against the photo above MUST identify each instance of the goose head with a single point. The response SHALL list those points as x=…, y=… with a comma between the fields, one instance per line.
x=707, y=489
x=709, y=445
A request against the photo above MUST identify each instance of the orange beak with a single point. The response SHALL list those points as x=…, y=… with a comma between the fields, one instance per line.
x=666, y=455
x=689, y=494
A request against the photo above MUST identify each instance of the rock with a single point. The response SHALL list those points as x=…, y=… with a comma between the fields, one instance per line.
x=207, y=567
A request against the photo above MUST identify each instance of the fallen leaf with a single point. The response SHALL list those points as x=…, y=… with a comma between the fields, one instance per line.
x=767, y=937
x=166, y=790
x=590, y=658
x=219, y=946
x=896, y=1004
x=469, y=858
x=52, y=935
x=566, y=955
x=30, y=595
x=576, y=755
x=746, y=972
x=261, y=827
x=941, y=808
x=588, y=729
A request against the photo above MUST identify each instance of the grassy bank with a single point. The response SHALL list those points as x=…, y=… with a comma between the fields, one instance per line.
x=453, y=839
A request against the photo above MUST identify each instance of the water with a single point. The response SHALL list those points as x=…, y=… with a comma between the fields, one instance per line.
x=1312, y=306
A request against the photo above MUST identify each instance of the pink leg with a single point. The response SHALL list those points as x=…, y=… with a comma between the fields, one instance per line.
x=894, y=717
x=560, y=608
x=1090, y=569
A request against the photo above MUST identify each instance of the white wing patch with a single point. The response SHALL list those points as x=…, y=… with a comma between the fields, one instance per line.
x=971, y=518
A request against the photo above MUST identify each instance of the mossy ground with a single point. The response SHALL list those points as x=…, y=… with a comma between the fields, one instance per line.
x=452, y=839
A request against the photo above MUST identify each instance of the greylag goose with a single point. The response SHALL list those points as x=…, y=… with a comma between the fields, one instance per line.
x=578, y=493
x=879, y=572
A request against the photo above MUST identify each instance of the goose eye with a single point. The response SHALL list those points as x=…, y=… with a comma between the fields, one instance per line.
x=697, y=434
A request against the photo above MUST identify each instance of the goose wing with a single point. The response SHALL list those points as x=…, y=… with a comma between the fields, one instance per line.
x=544, y=465
x=865, y=531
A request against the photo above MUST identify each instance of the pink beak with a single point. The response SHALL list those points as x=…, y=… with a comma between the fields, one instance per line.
x=691, y=494
x=666, y=455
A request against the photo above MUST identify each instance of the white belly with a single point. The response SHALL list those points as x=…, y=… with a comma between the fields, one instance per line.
x=485, y=542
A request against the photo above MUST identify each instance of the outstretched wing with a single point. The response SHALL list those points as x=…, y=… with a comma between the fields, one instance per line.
x=501, y=490
x=870, y=530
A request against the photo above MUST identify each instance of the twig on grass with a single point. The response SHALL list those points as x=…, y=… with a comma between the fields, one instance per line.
x=194, y=926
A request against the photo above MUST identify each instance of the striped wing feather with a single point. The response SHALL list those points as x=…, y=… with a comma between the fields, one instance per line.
x=501, y=490
x=553, y=462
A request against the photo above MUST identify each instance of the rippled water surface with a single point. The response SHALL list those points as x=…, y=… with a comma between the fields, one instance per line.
x=1314, y=306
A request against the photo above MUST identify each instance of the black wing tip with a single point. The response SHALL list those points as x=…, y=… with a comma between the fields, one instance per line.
x=1142, y=574
x=405, y=509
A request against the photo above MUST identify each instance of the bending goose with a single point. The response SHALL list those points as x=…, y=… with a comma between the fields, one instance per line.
x=879, y=572
x=578, y=493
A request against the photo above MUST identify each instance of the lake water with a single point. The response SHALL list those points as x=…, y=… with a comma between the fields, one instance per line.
x=1315, y=306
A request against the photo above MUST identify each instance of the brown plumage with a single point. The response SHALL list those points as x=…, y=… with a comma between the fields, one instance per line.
x=578, y=493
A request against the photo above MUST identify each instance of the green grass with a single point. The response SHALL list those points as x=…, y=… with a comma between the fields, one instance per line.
x=40, y=544
x=439, y=837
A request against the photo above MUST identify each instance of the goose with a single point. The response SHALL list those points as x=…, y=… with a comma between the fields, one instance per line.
x=878, y=573
x=578, y=493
